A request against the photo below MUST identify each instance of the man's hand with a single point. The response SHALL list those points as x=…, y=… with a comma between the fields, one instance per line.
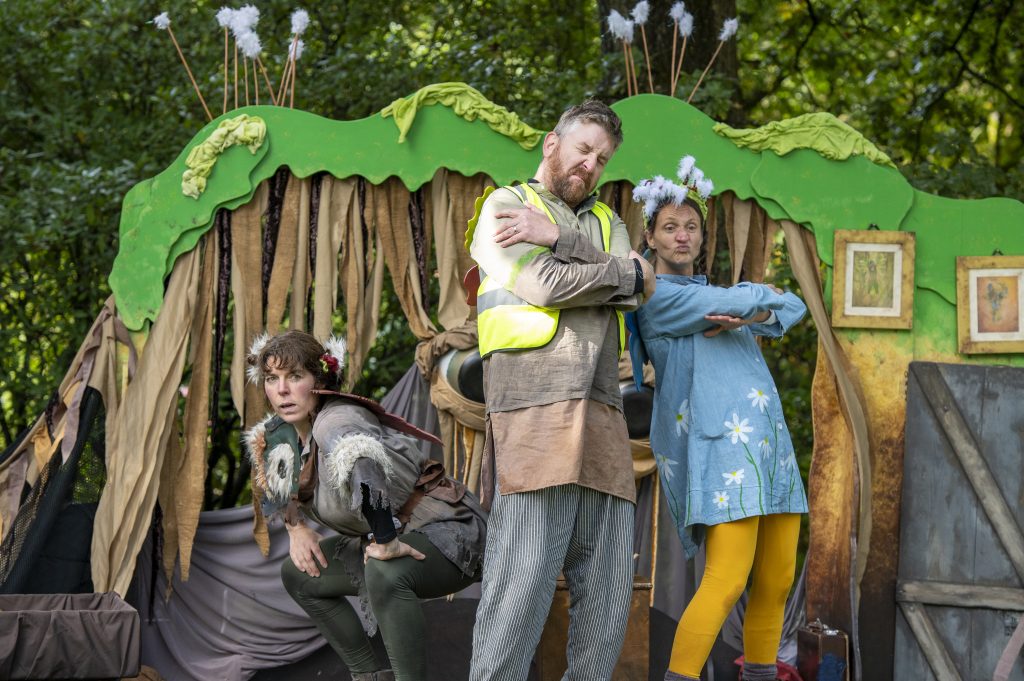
x=649, y=279
x=393, y=549
x=304, y=549
x=528, y=224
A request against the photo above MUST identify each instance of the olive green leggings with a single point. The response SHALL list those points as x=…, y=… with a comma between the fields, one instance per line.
x=394, y=588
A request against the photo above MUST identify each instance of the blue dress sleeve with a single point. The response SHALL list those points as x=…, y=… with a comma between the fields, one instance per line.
x=679, y=309
x=792, y=311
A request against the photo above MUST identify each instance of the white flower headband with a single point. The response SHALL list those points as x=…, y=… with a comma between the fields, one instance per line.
x=659, y=191
x=331, y=362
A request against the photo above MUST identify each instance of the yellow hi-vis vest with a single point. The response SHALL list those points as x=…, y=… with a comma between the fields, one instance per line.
x=504, y=320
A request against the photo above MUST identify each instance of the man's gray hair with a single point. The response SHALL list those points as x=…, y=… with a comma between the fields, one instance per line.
x=591, y=111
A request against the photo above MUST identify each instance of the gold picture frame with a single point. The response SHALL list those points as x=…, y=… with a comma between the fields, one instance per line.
x=873, y=286
x=990, y=304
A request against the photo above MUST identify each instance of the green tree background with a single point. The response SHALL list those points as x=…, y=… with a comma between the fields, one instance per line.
x=95, y=100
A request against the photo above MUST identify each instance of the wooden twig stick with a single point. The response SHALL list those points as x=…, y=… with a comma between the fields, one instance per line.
x=189, y=71
x=679, y=66
x=266, y=79
x=706, y=69
x=647, y=58
x=224, y=110
x=672, y=68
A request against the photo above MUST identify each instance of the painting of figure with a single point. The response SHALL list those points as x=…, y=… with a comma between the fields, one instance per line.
x=872, y=278
x=998, y=304
x=990, y=303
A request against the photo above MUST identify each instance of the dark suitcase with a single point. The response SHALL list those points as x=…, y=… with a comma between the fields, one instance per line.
x=822, y=653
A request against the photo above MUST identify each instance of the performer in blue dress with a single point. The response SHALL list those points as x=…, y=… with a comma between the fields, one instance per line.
x=724, y=453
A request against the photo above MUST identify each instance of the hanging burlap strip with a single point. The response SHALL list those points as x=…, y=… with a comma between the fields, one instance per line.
x=300, y=274
x=167, y=494
x=711, y=247
x=619, y=197
x=450, y=204
x=387, y=207
x=283, y=266
x=136, y=447
x=738, y=221
x=362, y=280
x=803, y=258
x=190, y=472
x=335, y=201
x=246, y=289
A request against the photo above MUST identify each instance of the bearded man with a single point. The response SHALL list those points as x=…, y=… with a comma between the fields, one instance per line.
x=556, y=272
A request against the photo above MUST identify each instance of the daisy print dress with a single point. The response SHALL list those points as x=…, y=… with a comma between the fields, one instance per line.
x=718, y=433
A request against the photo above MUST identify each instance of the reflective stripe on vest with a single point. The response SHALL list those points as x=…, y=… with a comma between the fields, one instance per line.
x=504, y=320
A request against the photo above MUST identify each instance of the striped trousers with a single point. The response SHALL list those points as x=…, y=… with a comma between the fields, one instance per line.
x=531, y=537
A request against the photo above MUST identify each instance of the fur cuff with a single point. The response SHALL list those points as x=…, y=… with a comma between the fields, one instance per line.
x=255, y=441
x=343, y=456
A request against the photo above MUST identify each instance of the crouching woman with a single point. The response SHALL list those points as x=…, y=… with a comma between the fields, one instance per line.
x=406, y=531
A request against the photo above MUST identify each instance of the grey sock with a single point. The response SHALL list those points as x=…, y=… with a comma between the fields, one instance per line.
x=672, y=676
x=759, y=672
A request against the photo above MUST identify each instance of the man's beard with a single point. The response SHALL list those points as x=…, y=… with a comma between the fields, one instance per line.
x=562, y=184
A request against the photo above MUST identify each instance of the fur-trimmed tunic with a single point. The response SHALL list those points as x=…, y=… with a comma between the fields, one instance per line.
x=355, y=450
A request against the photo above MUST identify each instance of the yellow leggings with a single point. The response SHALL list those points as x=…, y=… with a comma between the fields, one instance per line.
x=764, y=546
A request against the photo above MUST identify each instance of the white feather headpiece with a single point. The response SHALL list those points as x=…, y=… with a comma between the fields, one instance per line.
x=660, y=191
x=253, y=371
x=337, y=348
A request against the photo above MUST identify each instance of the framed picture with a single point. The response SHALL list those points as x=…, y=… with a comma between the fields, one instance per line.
x=874, y=279
x=990, y=304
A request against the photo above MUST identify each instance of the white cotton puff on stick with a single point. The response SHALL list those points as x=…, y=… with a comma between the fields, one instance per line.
x=729, y=29
x=686, y=25
x=677, y=11
x=627, y=33
x=296, y=49
x=224, y=16
x=162, y=21
x=617, y=25
x=641, y=12
x=249, y=44
x=244, y=20
x=300, y=21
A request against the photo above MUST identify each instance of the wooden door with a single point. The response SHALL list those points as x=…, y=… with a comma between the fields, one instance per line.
x=961, y=564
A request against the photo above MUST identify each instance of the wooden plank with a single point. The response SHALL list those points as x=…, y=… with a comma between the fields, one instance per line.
x=960, y=595
x=928, y=639
x=960, y=437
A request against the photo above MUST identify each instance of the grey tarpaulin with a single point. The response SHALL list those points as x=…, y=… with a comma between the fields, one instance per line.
x=44, y=636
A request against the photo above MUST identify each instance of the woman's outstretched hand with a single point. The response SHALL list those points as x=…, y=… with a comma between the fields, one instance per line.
x=393, y=549
x=304, y=549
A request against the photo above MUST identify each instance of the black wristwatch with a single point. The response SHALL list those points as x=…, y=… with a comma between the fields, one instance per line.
x=638, y=285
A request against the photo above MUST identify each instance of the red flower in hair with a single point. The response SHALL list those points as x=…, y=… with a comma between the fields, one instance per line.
x=329, y=363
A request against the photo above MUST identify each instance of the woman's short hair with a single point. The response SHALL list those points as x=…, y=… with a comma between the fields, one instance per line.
x=294, y=349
